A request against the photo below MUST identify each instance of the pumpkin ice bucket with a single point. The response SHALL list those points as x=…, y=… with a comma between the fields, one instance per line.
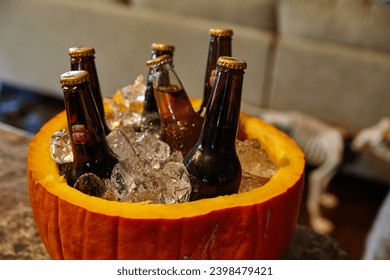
x=257, y=224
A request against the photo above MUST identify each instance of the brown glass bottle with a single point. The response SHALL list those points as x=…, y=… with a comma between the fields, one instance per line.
x=219, y=45
x=213, y=163
x=180, y=124
x=91, y=153
x=150, y=105
x=83, y=58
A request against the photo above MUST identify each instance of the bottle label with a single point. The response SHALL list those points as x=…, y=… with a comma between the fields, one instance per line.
x=80, y=134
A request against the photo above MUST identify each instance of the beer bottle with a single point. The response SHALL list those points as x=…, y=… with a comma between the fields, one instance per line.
x=83, y=58
x=150, y=115
x=180, y=124
x=91, y=153
x=219, y=45
x=213, y=163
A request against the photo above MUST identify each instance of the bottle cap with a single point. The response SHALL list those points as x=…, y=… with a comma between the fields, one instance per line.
x=231, y=62
x=162, y=47
x=71, y=78
x=81, y=51
x=220, y=32
x=166, y=58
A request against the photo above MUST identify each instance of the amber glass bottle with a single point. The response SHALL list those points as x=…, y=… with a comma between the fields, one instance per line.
x=150, y=114
x=83, y=58
x=219, y=45
x=91, y=153
x=180, y=124
x=213, y=163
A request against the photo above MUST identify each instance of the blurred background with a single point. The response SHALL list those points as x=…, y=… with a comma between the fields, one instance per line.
x=329, y=59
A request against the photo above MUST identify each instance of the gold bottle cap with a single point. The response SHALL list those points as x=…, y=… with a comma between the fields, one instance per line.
x=81, y=51
x=220, y=32
x=166, y=58
x=231, y=62
x=162, y=47
x=71, y=78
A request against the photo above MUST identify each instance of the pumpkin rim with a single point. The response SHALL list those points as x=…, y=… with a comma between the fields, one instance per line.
x=282, y=149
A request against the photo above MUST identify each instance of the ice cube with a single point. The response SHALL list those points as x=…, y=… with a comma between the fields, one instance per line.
x=257, y=167
x=120, y=145
x=254, y=159
x=60, y=147
x=249, y=182
x=176, y=183
x=120, y=182
x=152, y=148
x=91, y=184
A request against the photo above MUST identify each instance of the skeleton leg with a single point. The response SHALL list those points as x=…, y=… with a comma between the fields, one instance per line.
x=327, y=199
x=318, y=182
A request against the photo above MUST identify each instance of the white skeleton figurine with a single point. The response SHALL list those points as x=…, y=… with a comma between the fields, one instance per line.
x=377, y=138
x=323, y=147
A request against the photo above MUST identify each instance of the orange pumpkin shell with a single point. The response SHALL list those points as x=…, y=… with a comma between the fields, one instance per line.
x=257, y=224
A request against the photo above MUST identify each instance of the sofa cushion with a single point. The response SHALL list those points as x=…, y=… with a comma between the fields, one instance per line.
x=362, y=23
x=344, y=86
x=34, y=45
x=255, y=13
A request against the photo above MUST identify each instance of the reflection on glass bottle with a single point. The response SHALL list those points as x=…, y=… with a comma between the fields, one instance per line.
x=83, y=58
x=150, y=115
x=219, y=45
x=91, y=153
x=180, y=124
x=213, y=163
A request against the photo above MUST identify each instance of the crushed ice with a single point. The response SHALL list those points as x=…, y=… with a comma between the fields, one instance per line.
x=148, y=170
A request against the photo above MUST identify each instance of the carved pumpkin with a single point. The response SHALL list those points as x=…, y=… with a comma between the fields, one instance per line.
x=257, y=224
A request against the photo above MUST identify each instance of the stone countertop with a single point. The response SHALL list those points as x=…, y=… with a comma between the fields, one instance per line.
x=19, y=239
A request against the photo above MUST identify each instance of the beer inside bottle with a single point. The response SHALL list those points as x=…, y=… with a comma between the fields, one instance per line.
x=219, y=45
x=213, y=162
x=91, y=152
x=180, y=124
x=83, y=58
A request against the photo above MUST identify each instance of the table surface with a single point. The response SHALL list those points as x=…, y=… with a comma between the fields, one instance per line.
x=19, y=239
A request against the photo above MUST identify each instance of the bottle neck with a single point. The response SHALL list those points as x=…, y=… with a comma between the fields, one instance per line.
x=218, y=46
x=150, y=101
x=223, y=113
x=150, y=104
x=87, y=63
x=84, y=123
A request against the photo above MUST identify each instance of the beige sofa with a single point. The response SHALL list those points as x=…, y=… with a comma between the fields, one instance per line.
x=327, y=58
